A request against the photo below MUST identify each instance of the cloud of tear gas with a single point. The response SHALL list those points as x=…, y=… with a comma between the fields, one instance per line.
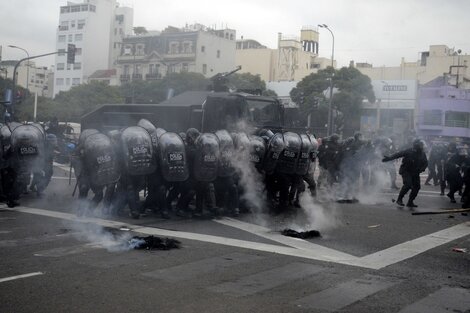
x=316, y=216
x=250, y=179
x=95, y=234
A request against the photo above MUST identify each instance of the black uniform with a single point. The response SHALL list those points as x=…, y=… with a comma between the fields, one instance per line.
x=413, y=163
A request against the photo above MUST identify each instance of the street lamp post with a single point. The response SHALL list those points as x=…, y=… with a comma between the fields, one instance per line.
x=27, y=66
x=330, y=128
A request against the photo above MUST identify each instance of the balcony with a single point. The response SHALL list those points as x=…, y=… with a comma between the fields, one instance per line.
x=125, y=78
x=153, y=76
x=136, y=76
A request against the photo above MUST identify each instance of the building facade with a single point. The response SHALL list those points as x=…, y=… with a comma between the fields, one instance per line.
x=394, y=110
x=194, y=48
x=28, y=76
x=93, y=26
x=432, y=64
x=443, y=111
x=294, y=58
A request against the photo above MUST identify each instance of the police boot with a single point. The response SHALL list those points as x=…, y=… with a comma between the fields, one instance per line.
x=410, y=204
x=400, y=202
x=451, y=197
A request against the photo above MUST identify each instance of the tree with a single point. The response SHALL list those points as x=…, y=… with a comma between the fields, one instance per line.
x=246, y=82
x=351, y=85
x=81, y=99
x=156, y=91
x=140, y=30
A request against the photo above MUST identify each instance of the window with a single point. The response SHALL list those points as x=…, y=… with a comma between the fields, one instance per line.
x=92, y=8
x=218, y=53
x=204, y=69
x=187, y=47
x=61, y=52
x=78, y=37
x=64, y=25
x=126, y=70
x=84, y=7
x=80, y=24
x=59, y=81
x=75, y=81
x=78, y=51
x=64, y=9
x=185, y=67
x=70, y=38
x=72, y=24
x=69, y=66
x=67, y=81
x=75, y=8
x=456, y=119
x=139, y=50
x=174, y=47
x=61, y=38
x=77, y=66
x=203, y=49
x=137, y=69
x=60, y=66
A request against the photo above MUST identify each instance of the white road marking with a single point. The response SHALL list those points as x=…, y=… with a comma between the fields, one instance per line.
x=62, y=177
x=288, y=241
x=376, y=260
x=62, y=167
x=20, y=276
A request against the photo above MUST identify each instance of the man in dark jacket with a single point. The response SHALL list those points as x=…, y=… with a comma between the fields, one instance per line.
x=413, y=163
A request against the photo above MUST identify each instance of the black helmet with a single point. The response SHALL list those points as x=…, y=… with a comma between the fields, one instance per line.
x=418, y=144
x=192, y=134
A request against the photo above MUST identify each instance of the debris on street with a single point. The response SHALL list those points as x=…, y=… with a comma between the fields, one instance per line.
x=152, y=242
x=302, y=234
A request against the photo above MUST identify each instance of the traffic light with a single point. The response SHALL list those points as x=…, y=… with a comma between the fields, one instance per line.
x=70, y=53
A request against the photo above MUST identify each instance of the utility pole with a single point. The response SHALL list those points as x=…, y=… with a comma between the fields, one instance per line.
x=331, y=127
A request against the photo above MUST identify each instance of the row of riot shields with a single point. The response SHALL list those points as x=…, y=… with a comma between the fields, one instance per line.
x=143, y=149
x=22, y=153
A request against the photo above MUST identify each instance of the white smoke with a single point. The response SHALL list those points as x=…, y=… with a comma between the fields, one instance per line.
x=99, y=236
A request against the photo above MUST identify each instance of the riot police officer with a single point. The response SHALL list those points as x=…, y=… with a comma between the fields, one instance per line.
x=414, y=162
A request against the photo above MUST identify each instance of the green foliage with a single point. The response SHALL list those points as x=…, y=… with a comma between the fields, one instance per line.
x=81, y=99
x=140, y=30
x=352, y=88
x=246, y=82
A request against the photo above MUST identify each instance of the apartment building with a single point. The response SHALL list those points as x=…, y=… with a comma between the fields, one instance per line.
x=96, y=28
x=28, y=76
x=294, y=58
x=193, y=48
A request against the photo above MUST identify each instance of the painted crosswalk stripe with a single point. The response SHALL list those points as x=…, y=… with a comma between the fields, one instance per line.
x=252, y=284
x=20, y=276
x=64, y=251
x=446, y=299
x=194, y=269
x=342, y=295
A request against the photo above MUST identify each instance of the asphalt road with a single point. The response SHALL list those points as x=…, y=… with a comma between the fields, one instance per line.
x=372, y=257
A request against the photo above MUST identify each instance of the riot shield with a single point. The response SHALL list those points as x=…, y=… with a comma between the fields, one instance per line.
x=84, y=134
x=137, y=150
x=206, y=157
x=274, y=150
x=305, y=155
x=257, y=151
x=99, y=160
x=172, y=158
x=287, y=162
x=151, y=129
x=226, y=149
x=27, y=145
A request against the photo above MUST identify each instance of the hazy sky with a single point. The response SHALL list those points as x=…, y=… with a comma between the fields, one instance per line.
x=380, y=32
